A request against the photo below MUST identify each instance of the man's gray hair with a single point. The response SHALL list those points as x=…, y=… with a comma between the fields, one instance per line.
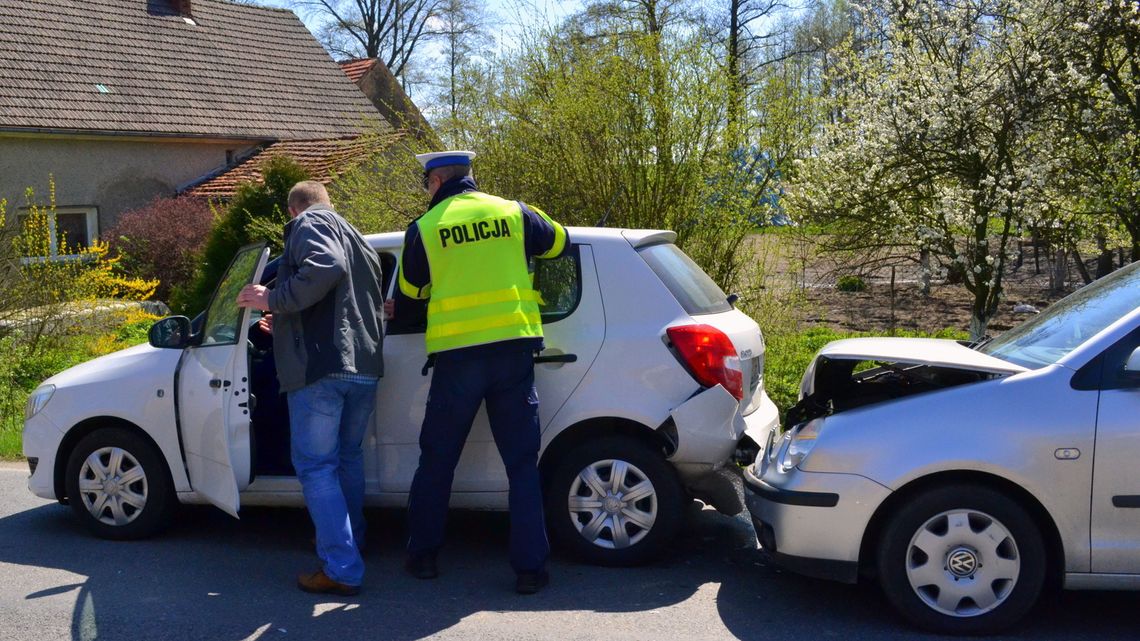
x=451, y=172
x=307, y=193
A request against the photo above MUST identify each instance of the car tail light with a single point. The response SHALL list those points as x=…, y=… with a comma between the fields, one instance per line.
x=710, y=356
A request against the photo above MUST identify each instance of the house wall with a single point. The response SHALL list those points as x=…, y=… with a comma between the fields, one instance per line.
x=114, y=175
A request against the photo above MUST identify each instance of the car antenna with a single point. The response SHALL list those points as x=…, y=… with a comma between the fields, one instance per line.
x=602, y=221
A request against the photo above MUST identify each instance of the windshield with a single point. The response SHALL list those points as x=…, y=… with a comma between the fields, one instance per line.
x=1069, y=322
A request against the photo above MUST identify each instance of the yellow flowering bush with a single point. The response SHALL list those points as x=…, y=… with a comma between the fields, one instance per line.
x=57, y=270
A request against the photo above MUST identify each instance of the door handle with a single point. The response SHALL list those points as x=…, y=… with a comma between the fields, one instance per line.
x=556, y=358
x=218, y=383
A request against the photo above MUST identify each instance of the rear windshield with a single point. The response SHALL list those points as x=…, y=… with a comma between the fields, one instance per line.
x=690, y=285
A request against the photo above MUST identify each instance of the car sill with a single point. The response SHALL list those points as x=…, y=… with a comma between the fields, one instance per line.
x=1095, y=581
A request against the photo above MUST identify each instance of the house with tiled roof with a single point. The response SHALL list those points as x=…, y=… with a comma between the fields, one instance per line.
x=120, y=101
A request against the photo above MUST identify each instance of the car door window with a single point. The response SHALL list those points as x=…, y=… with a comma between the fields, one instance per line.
x=558, y=282
x=223, y=316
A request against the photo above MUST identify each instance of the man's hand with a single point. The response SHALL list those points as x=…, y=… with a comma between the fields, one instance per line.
x=265, y=324
x=254, y=296
x=389, y=309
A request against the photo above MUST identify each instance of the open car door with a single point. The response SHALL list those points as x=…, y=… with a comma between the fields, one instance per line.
x=213, y=399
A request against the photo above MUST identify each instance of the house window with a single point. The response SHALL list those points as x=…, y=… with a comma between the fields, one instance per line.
x=70, y=229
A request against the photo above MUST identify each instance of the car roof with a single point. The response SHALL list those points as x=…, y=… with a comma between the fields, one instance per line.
x=587, y=235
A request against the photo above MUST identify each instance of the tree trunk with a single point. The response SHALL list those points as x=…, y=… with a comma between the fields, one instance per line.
x=1060, y=271
x=924, y=263
x=978, y=325
x=735, y=94
x=1081, y=269
x=1104, y=261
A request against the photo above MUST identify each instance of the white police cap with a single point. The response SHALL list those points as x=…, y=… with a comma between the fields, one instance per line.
x=444, y=158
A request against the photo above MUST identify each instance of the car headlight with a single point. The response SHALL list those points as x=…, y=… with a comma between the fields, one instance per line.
x=37, y=400
x=799, y=444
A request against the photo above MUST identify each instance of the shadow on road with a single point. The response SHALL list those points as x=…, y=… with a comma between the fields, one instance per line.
x=212, y=577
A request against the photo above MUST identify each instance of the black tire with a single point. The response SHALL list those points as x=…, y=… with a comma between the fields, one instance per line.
x=984, y=546
x=641, y=464
x=137, y=519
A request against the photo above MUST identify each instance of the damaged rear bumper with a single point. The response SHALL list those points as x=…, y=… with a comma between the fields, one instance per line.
x=709, y=436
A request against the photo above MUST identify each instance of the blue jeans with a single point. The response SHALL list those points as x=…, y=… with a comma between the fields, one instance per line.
x=328, y=419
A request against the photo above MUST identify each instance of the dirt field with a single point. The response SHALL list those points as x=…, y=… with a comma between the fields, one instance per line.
x=876, y=309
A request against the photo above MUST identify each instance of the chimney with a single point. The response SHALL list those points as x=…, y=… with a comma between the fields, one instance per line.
x=182, y=7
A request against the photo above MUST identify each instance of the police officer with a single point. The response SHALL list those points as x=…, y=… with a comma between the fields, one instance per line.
x=469, y=254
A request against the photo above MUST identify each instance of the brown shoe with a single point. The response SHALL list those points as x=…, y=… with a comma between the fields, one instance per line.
x=319, y=583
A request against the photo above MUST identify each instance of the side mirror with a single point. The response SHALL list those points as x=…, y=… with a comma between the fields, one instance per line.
x=1132, y=365
x=172, y=332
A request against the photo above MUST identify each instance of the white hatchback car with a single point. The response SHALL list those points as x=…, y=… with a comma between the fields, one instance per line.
x=649, y=382
x=967, y=479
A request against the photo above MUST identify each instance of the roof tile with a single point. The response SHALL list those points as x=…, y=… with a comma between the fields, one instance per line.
x=321, y=158
x=241, y=71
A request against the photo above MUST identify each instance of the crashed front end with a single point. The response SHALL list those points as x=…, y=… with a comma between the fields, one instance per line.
x=812, y=521
x=863, y=371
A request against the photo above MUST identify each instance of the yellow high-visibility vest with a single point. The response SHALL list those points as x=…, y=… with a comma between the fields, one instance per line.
x=480, y=288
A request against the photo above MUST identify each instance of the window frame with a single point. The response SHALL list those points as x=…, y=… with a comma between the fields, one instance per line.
x=572, y=252
x=91, y=212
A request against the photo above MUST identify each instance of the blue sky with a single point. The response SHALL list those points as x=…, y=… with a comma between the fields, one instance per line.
x=507, y=19
x=510, y=15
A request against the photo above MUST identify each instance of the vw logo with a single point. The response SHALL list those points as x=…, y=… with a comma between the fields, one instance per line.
x=962, y=562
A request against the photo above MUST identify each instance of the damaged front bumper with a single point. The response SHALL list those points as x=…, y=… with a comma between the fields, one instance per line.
x=811, y=522
x=711, y=440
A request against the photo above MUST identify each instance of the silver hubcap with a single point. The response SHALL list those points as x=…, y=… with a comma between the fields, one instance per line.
x=613, y=504
x=113, y=486
x=963, y=563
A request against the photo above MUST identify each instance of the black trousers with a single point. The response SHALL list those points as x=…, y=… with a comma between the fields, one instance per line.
x=504, y=379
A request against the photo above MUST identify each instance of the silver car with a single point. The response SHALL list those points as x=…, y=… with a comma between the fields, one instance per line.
x=967, y=479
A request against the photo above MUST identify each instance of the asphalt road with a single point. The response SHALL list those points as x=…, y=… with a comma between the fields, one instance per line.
x=213, y=577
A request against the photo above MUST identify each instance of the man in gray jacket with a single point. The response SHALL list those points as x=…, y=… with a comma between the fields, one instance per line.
x=327, y=340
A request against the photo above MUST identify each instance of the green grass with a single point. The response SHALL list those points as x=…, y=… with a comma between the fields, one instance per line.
x=22, y=368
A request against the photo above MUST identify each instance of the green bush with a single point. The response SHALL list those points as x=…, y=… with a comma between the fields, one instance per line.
x=257, y=212
x=850, y=283
x=23, y=366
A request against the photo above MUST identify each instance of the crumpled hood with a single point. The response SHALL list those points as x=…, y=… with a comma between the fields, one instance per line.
x=937, y=352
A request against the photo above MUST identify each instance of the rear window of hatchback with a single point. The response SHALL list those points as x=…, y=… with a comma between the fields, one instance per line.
x=689, y=284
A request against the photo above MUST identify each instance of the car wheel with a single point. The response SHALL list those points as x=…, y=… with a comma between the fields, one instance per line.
x=613, y=501
x=118, y=485
x=962, y=559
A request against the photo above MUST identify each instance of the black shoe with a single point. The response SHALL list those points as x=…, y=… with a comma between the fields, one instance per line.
x=422, y=567
x=531, y=582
